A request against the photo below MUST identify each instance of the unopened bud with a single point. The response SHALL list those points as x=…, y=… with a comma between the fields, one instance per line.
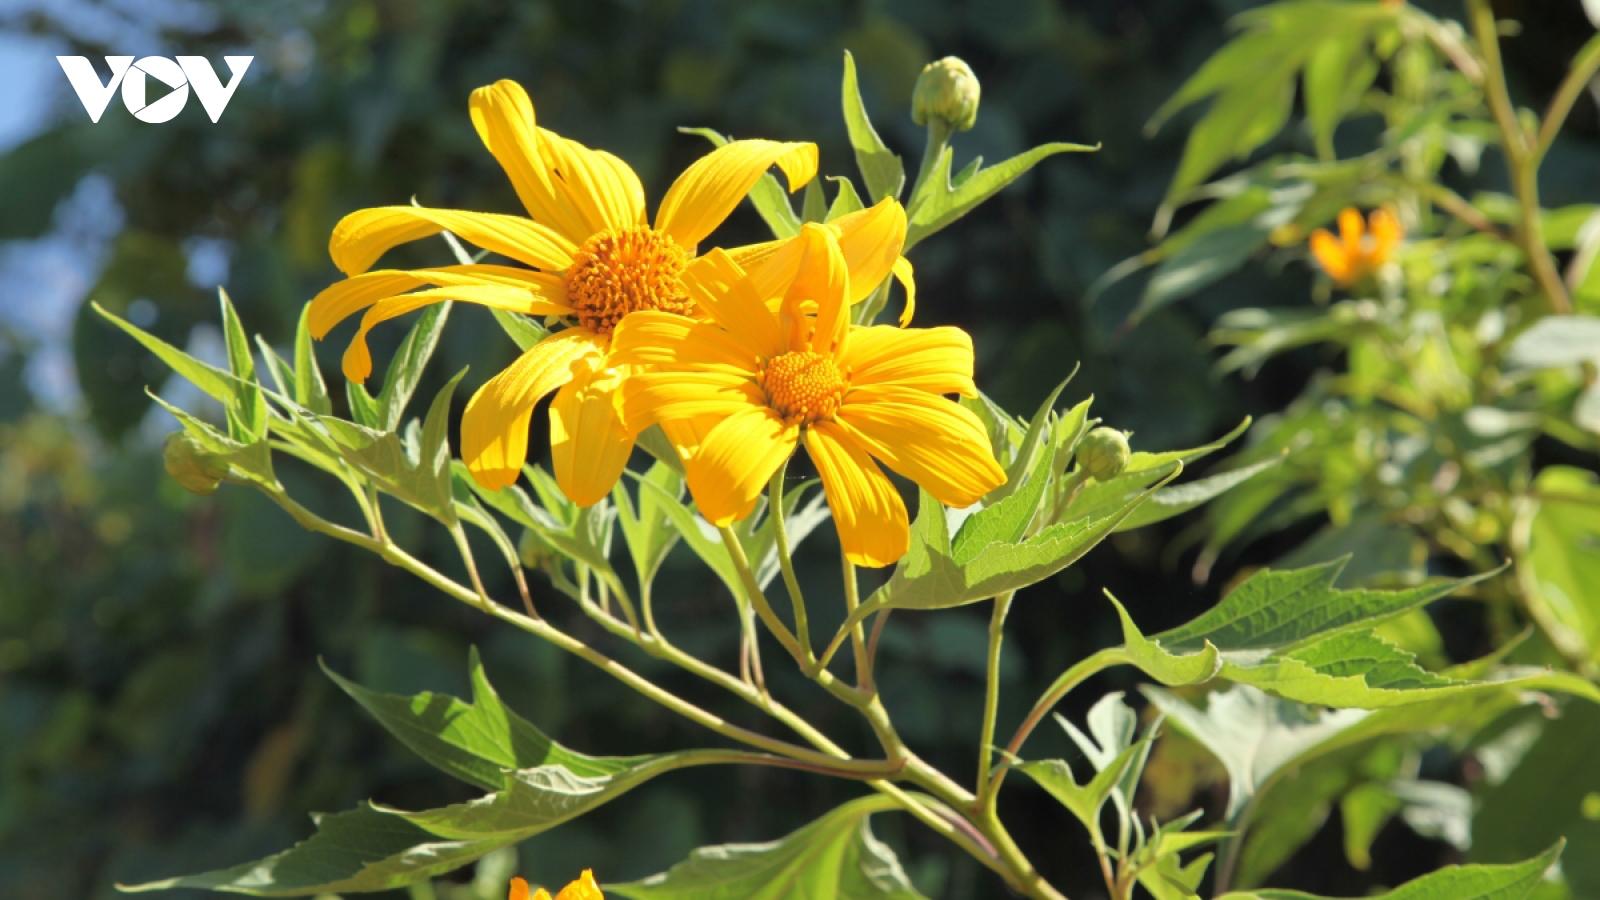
x=1104, y=453
x=194, y=468
x=946, y=90
x=535, y=551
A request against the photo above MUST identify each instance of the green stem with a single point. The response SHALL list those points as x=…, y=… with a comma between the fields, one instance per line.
x=780, y=537
x=939, y=133
x=1584, y=67
x=852, y=602
x=991, y=700
x=1522, y=162
x=1069, y=679
x=396, y=556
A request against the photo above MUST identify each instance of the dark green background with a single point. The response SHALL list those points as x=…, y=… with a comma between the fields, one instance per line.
x=161, y=710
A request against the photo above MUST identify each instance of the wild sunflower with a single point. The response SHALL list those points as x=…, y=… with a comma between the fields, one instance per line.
x=780, y=365
x=584, y=888
x=1361, y=247
x=593, y=258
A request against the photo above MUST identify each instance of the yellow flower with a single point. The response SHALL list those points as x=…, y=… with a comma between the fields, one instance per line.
x=779, y=364
x=1360, y=248
x=593, y=260
x=582, y=889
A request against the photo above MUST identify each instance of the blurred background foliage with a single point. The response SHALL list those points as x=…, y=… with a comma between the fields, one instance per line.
x=161, y=709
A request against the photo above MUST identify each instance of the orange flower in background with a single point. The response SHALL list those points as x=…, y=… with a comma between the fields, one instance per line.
x=1360, y=248
x=779, y=364
x=592, y=259
x=582, y=889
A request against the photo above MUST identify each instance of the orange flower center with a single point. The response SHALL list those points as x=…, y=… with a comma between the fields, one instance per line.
x=803, y=387
x=617, y=272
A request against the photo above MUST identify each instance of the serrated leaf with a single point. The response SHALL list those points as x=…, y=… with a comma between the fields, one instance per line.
x=405, y=370
x=1006, y=521
x=1272, y=609
x=939, y=202
x=835, y=857
x=1160, y=664
x=769, y=197
x=880, y=169
x=1508, y=882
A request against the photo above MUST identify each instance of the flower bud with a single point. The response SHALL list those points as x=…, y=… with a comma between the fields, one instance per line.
x=535, y=551
x=194, y=468
x=946, y=90
x=1104, y=453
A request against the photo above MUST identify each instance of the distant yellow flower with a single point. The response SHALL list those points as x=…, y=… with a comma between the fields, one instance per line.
x=582, y=889
x=1361, y=247
x=778, y=364
x=594, y=259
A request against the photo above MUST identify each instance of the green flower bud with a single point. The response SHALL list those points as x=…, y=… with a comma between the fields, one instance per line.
x=946, y=90
x=194, y=468
x=535, y=551
x=1104, y=453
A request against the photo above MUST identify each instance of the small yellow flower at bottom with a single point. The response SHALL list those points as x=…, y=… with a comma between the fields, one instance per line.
x=1361, y=247
x=584, y=888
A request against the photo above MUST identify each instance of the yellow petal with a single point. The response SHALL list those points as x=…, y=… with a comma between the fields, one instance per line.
x=1331, y=255
x=1351, y=229
x=822, y=279
x=589, y=447
x=904, y=275
x=725, y=294
x=652, y=338
x=565, y=185
x=935, y=360
x=867, y=511
x=709, y=189
x=345, y=298
x=871, y=240
x=928, y=439
x=519, y=890
x=494, y=427
x=736, y=460
x=688, y=434
x=1387, y=232
x=541, y=894
x=650, y=398
x=366, y=234
x=530, y=298
x=582, y=889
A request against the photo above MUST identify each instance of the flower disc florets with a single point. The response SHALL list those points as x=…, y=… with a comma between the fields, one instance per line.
x=617, y=272
x=803, y=387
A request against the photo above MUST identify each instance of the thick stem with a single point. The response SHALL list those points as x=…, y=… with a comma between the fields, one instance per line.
x=1522, y=162
x=991, y=699
x=780, y=538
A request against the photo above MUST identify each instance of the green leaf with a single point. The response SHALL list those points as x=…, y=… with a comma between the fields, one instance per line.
x=834, y=857
x=1117, y=757
x=310, y=391
x=1336, y=74
x=418, y=474
x=928, y=577
x=247, y=462
x=655, y=442
x=1508, y=882
x=247, y=414
x=217, y=384
x=846, y=201
x=1202, y=263
x=363, y=849
x=1546, y=796
x=1180, y=498
x=1083, y=801
x=1271, y=609
x=1021, y=462
x=768, y=196
x=1561, y=561
x=940, y=202
x=363, y=408
x=405, y=370
x=1253, y=734
x=646, y=528
x=701, y=537
x=523, y=331
x=880, y=169
x=1007, y=521
x=1165, y=667
x=477, y=742
x=813, y=206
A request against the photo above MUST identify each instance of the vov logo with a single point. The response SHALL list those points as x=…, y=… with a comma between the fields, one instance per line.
x=188, y=71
